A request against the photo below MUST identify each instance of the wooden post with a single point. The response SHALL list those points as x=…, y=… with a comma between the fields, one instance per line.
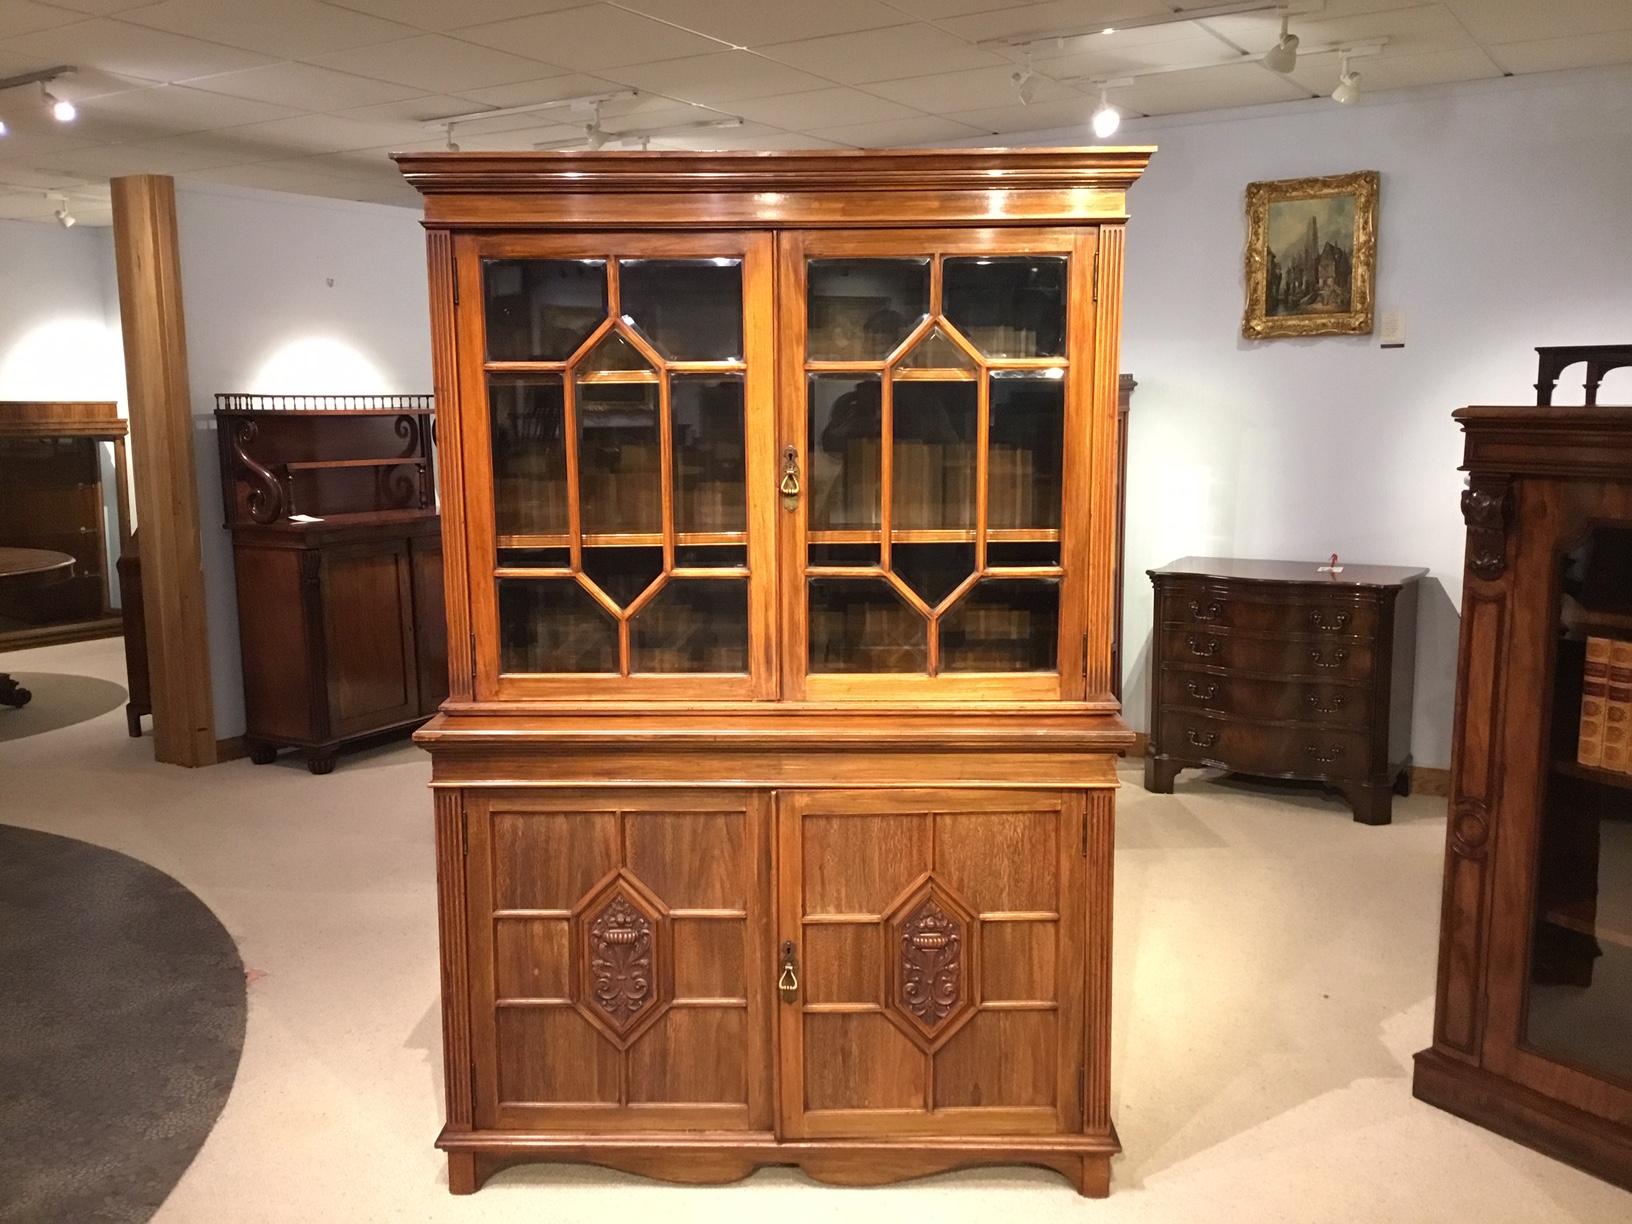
x=161, y=435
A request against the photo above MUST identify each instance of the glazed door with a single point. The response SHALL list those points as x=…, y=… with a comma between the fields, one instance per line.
x=620, y=960
x=932, y=963
x=938, y=423
x=619, y=442
x=1559, y=989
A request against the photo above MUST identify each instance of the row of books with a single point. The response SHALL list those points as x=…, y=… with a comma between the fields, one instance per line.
x=1606, y=706
x=933, y=486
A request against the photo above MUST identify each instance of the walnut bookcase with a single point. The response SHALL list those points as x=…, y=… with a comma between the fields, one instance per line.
x=774, y=790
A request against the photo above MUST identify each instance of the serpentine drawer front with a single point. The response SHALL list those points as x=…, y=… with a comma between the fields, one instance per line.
x=1276, y=668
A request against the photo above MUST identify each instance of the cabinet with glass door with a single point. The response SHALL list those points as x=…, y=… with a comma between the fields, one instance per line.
x=775, y=787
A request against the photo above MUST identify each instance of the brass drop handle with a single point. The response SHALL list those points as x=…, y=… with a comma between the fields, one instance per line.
x=788, y=983
x=789, y=488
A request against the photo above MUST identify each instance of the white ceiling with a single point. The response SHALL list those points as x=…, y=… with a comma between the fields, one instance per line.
x=310, y=95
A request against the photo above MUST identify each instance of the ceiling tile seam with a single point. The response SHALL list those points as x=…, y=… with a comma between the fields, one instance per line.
x=1475, y=40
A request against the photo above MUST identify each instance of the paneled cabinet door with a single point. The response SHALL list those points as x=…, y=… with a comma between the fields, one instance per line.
x=940, y=425
x=933, y=962
x=620, y=960
x=618, y=448
x=365, y=594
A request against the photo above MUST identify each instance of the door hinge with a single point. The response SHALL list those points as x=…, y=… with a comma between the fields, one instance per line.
x=1085, y=835
x=464, y=838
x=454, y=264
x=1096, y=276
x=1085, y=657
x=1082, y=1095
x=473, y=659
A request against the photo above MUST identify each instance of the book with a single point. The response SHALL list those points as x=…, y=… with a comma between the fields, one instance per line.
x=1594, y=693
x=1617, y=751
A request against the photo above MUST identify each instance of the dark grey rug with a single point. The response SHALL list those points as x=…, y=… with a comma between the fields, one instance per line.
x=122, y=1014
x=59, y=701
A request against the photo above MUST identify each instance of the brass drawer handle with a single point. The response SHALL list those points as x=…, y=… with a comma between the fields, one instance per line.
x=1318, y=658
x=1202, y=694
x=1213, y=645
x=1204, y=740
x=789, y=487
x=1205, y=612
x=1339, y=620
x=788, y=982
x=1337, y=703
x=1325, y=755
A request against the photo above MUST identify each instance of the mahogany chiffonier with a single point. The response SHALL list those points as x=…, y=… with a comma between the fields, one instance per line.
x=1532, y=1015
x=774, y=789
x=1282, y=669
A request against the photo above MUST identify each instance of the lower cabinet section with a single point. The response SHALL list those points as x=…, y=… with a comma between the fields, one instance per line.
x=873, y=984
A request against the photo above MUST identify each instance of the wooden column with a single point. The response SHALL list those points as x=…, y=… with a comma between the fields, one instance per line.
x=161, y=434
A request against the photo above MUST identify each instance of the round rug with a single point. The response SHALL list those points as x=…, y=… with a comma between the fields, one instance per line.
x=59, y=701
x=121, y=1023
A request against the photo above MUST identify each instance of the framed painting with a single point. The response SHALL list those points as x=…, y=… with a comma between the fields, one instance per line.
x=1311, y=256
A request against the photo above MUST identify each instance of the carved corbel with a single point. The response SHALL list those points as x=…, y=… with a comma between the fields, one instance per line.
x=266, y=499
x=1487, y=505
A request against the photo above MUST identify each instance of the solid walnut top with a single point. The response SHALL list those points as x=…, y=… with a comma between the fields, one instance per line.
x=1291, y=571
x=826, y=188
x=20, y=562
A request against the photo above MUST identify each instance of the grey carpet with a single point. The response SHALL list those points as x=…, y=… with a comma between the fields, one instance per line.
x=122, y=1012
x=59, y=701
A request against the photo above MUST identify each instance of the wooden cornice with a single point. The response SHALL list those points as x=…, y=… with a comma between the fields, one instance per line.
x=61, y=419
x=1526, y=440
x=828, y=188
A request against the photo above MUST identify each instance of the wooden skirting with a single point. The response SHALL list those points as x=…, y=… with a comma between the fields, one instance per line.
x=233, y=749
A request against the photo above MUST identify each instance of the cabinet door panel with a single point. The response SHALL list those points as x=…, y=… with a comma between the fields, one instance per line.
x=620, y=948
x=938, y=396
x=619, y=465
x=368, y=636
x=940, y=953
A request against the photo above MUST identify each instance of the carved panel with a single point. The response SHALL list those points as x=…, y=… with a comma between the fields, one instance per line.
x=932, y=962
x=623, y=958
x=1486, y=505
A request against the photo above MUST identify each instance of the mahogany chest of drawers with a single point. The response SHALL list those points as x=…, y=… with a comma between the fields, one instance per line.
x=1276, y=669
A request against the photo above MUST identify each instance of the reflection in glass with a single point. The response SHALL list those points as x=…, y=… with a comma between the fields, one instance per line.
x=1003, y=625
x=620, y=486
x=690, y=309
x=692, y=625
x=529, y=455
x=623, y=573
x=844, y=554
x=614, y=354
x=936, y=352
x=1027, y=440
x=845, y=425
x=933, y=462
x=1580, y=991
x=933, y=570
x=541, y=309
x=1009, y=306
x=710, y=487
x=862, y=309
x=554, y=625
x=711, y=556
x=862, y=625
x=1028, y=553
x=535, y=558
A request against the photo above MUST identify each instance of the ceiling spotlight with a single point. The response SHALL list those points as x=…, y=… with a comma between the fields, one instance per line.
x=447, y=133
x=1106, y=117
x=2, y=127
x=1348, y=84
x=1024, y=81
x=62, y=110
x=64, y=218
x=1283, y=56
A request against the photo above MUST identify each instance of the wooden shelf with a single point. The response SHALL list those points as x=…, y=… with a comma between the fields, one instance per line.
x=1579, y=918
x=321, y=465
x=632, y=539
x=1587, y=773
x=1617, y=623
x=935, y=535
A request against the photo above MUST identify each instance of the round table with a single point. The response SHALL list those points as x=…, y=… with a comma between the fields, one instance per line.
x=17, y=566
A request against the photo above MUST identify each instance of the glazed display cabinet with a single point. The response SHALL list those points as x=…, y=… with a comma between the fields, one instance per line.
x=774, y=789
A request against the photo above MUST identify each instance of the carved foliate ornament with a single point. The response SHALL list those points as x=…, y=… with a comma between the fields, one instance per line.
x=1486, y=505
x=622, y=958
x=932, y=963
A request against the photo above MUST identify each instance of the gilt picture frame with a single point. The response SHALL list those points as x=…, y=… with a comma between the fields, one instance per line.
x=1311, y=258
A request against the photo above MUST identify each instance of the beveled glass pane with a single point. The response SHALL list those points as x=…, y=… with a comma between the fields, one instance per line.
x=933, y=570
x=528, y=429
x=692, y=625
x=614, y=354
x=690, y=309
x=710, y=482
x=862, y=309
x=620, y=487
x=541, y=309
x=845, y=423
x=1027, y=445
x=863, y=625
x=1008, y=306
x=936, y=352
x=933, y=470
x=623, y=573
x=1003, y=625
x=554, y=625
x=1579, y=993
